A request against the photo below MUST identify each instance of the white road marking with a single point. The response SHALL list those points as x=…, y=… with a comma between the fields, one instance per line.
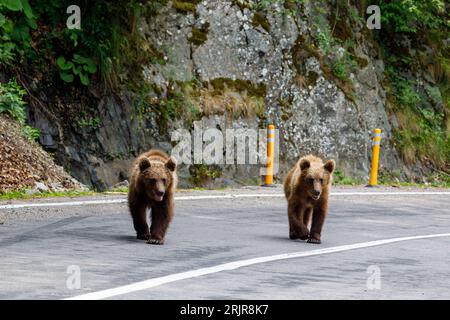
x=155, y=282
x=218, y=196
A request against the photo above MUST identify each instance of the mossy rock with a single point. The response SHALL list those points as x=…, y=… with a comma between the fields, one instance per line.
x=311, y=78
x=257, y=90
x=242, y=5
x=362, y=63
x=260, y=20
x=342, y=30
x=199, y=35
x=185, y=6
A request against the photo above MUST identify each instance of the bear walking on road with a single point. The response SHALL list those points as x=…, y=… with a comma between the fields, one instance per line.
x=152, y=186
x=307, y=186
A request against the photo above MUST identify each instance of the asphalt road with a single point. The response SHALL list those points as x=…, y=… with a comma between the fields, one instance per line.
x=45, y=250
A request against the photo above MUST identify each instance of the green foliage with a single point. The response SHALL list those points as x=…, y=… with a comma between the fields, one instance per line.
x=16, y=20
x=78, y=66
x=201, y=174
x=31, y=133
x=11, y=100
x=427, y=142
x=88, y=122
x=410, y=16
x=107, y=47
x=23, y=194
x=176, y=104
x=421, y=132
x=339, y=70
x=325, y=41
x=406, y=96
x=339, y=178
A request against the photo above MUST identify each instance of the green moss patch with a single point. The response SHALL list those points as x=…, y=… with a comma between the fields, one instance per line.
x=252, y=89
x=260, y=20
x=185, y=6
x=199, y=35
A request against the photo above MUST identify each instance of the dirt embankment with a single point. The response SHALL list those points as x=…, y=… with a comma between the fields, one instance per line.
x=24, y=165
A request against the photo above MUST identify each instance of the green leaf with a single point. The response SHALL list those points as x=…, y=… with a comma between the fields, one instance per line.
x=13, y=5
x=62, y=64
x=90, y=67
x=67, y=77
x=32, y=23
x=84, y=79
x=27, y=9
x=8, y=27
x=74, y=37
x=77, y=69
x=2, y=19
x=79, y=59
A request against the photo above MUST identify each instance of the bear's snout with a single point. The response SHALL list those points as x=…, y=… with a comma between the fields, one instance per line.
x=315, y=194
x=159, y=195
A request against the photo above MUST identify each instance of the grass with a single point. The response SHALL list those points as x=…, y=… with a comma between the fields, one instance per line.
x=22, y=194
x=237, y=104
x=392, y=180
x=118, y=190
x=437, y=184
x=340, y=179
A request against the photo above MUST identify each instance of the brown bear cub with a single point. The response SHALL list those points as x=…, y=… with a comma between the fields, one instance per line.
x=152, y=186
x=307, y=187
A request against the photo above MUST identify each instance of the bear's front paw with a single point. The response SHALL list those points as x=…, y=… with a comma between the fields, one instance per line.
x=155, y=241
x=143, y=236
x=298, y=235
x=314, y=240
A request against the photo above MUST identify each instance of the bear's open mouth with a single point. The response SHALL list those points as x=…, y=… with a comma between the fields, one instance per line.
x=316, y=197
x=159, y=198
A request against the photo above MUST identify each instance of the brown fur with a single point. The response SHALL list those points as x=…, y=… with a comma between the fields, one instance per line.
x=307, y=186
x=152, y=186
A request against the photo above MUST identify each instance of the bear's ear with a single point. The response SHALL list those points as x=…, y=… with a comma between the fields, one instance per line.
x=304, y=164
x=329, y=166
x=144, y=164
x=171, y=164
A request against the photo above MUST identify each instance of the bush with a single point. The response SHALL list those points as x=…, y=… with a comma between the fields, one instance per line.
x=12, y=103
x=11, y=100
x=16, y=20
x=410, y=16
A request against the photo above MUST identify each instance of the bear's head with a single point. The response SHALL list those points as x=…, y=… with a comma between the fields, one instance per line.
x=156, y=177
x=315, y=176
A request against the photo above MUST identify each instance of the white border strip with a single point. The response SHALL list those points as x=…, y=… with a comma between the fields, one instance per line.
x=155, y=282
x=220, y=196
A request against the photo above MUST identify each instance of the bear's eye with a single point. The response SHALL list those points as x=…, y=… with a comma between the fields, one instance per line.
x=152, y=181
x=321, y=181
x=310, y=180
x=164, y=181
